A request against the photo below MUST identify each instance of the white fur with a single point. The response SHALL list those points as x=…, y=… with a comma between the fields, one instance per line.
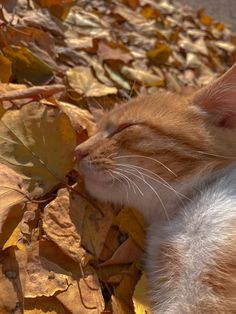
x=198, y=231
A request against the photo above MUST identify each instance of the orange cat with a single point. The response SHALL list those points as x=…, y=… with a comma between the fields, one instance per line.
x=172, y=157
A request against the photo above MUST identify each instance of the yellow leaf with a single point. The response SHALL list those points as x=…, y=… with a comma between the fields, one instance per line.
x=140, y=297
x=130, y=222
x=83, y=82
x=27, y=67
x=38, y=142
x=5, y=69
x=12, y=199
x=160, y=54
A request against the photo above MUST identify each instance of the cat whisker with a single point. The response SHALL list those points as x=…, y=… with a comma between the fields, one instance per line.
x=151, y=187
x=109, y=156
x=159, y=180
x=122, y=182
x=129, y=180
x=147, y=157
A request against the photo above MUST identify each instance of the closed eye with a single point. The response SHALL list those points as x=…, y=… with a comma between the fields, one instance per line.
x=120, y=128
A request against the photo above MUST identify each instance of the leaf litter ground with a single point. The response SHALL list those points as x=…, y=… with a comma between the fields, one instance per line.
x=60, y=251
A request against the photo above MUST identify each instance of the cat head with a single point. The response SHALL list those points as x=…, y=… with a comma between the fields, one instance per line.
x=155, y=146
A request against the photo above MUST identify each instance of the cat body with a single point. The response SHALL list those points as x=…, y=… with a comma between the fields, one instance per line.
x=192, y=258
x=171, y=156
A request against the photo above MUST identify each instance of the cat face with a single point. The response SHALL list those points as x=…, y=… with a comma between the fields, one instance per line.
x=152, y=147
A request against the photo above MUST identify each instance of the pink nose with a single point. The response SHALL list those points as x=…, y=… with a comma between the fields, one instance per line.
x=80, y=154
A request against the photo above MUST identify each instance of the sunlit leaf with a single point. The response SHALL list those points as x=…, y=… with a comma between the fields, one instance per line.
x=83, y=82
x=142, y=76
x=37, y=142
x=140, y=297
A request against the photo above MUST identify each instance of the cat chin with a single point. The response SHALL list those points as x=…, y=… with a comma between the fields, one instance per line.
x=105, y=192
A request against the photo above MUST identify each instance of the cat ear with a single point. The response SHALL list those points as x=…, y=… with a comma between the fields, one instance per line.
x=97, y=113
x=218, y=99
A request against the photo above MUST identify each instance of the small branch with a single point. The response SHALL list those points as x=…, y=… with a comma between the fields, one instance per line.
x=35, y=93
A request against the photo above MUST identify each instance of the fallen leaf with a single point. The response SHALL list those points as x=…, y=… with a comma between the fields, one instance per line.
x=125, y=289
x=140, y=297
x=160, y=54
x=42, y=305
x=81, y=119
x=27, y=67
x=83, y=82
x=116, y=77
x=44, y=278
x=119, y=307
x=111, y=243
x=12, y=199
x=130, y=222
x=12, y=280
x=59, y=227
x=57, y=7
x=42, y=20
x=127, y=252
x=204, y=19
x=84, y=296
x=133, y=4
x=43, y=143
x=142, y=76
x=5, y=69
x=115, y=52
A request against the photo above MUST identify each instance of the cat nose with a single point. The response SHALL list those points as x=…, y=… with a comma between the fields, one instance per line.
x=80, y=154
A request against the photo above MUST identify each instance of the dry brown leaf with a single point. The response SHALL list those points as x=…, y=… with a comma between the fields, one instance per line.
x=132, y=223
x=42, y=20
x=125, y=289
x=81, y=119
x=84, y=296
x=119, y=307
x=58, y=225
x=12, y=200
x=115, y=52
x=44, y=278
x=12, y=280
x=111, y=243
x=42, y=305
x=127, y=252
x=93, y=223
x=81, y=79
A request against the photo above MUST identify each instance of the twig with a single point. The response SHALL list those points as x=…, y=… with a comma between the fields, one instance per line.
x=37, y=92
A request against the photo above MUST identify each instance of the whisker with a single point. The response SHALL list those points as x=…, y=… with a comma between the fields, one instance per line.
x=151, y=187
x=122, y=182
x=131, y=181
x=163, y=181
x=147, y=157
